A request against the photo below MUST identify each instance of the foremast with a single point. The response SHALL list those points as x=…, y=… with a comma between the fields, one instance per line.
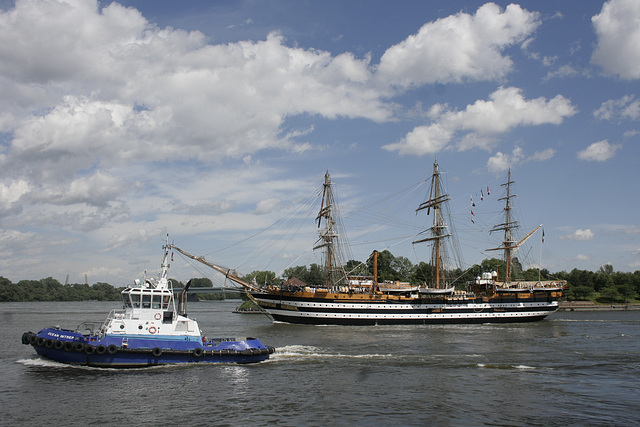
x=329, y=237
x=439, y=231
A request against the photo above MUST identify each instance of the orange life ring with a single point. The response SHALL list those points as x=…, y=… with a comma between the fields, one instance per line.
x=152, y=330
x=157, y=316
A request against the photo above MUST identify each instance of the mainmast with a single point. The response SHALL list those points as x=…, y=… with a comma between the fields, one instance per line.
x=438, y=231
x=329, y=235
x=508, y=244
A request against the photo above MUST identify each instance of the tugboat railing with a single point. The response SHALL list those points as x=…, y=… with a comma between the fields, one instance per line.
x=94, y=328
x=113, y=314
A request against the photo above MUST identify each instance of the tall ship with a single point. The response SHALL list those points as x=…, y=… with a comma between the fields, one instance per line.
x=346, y=300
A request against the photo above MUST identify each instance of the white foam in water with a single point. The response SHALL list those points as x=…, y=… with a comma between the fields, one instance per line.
x=42, y=363
x=302, y=352
x=46, y=363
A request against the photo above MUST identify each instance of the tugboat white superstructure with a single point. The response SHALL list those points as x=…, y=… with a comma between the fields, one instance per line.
x=150, y=330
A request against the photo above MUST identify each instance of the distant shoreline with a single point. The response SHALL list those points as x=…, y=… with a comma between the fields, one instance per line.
x=590, y=306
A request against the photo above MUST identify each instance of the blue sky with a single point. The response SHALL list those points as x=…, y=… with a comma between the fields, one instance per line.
x=212, y=121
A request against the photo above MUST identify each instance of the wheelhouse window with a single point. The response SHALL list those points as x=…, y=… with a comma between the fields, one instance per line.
x=165, y=302
x=135, y=300
x=155, y=302
x=126, y=300
x=146, y=300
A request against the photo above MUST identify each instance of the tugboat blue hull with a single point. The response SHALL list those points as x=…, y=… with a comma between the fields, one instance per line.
x=71, y=347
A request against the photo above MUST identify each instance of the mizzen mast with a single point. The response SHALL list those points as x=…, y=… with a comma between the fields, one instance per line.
x=438, y=231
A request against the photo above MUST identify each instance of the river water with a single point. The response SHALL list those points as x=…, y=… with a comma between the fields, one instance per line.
x=575, y=368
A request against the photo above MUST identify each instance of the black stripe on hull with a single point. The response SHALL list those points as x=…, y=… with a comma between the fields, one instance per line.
x=405, y=321
x=425, y=311
x=502, y=299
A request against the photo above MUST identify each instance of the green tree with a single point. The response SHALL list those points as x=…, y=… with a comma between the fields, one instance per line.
x=315, y=276
x=422, y=273
x=493, y=264
x=403, y=268
x=385, y=266
x=357, y=268
x=516, y=269
x=300, y=272
x=610, y=295
x=201, y=282
x=580, y=293
x=603, y=278
x=261, y=277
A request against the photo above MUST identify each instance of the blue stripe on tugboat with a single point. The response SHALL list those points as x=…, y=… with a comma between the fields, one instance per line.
x=149, y=331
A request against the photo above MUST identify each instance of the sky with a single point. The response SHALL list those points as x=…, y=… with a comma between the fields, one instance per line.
x=215, y=122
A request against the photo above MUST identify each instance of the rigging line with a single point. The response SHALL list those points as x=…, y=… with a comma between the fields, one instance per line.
x=257, y=233
x=198, y=268
x=285, y=236
x=289, y=225
x=408, y=189
x=368, y=242
x=299, y=256
x=377, y=218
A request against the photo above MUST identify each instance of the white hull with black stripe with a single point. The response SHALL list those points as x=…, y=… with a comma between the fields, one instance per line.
x=321, y=311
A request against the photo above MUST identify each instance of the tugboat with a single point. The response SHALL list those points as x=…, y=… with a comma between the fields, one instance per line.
x=149, y=331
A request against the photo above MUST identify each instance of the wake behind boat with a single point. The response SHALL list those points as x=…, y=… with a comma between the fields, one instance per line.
x=347, y=300
x=149, y=331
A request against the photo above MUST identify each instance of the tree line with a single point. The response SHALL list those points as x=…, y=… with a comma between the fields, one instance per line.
x=604, y=285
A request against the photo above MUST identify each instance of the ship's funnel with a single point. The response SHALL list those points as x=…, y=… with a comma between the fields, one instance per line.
x=182, y=304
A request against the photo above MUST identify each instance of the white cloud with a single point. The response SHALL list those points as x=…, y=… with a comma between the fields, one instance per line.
x=480, y=122
x=459, y=47
x=541, y=156
x=598, y=151
x=579, y=235
x=500, y=162
x=135, y=237
x=565, y=71
x=200, y=101
x=618, y=32
x=97, y=189
x=624, y=229
x=626, y=107
x=11, y=194
x=99, y=102
x=266, y=206
x=582, y=257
